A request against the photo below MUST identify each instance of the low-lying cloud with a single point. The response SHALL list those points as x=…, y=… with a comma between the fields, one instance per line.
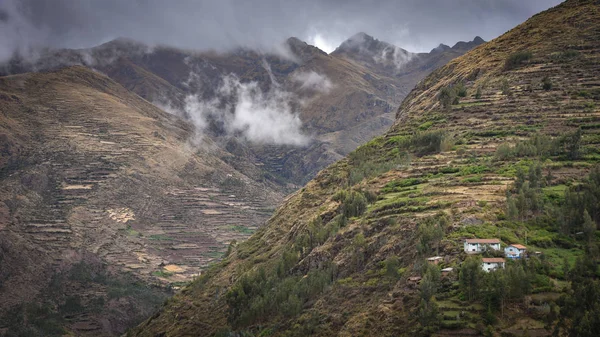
x=313, y=81
x=245, y=110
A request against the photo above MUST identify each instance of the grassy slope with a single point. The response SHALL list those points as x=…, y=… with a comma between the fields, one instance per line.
x=360, y=301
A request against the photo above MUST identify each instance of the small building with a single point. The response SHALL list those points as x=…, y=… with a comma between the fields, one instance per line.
x=474, y=246
x=515, y=251
x=414, y=279
x=434, y=260
x=492, y=263
x=447, y=271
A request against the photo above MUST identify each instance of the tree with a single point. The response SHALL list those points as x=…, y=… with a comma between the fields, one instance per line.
x=546, y=83
x=430, y=233
x=470, y=277
x=430, y=282
x=497, y=289
x=429, y=316
x=391, y=267
x=461, y=90
x=589, y=227
x=512, y=212
x=478, y=93
x=447, y=96
x=572, y=143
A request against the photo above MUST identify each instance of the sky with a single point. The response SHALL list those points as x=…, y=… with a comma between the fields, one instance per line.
x=415, y=25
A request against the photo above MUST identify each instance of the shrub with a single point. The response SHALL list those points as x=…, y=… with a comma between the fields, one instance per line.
x=517, y=59
x=546, y=83
x=461, y=90
x=447, y=96
x=505, y=87
x=478, y=93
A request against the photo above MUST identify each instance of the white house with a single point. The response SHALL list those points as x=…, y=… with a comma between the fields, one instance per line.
x=473, y=246
x=447, y=271
x=435, y=259
x=515, y=251
x=492, y=263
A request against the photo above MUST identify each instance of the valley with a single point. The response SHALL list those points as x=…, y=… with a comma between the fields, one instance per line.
x=114, y=197
x=499, y=144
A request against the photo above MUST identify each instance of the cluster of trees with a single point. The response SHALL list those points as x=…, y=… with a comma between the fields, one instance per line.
x=581, y=208
x=368, y=160
x=580, y=309
x=262, y=294
x=543, y=146
x=517, y=59
x=278, y=289
x=428, y=313
x=496, y=288
x=451, y=95
x=525, y=200
x=430, y=232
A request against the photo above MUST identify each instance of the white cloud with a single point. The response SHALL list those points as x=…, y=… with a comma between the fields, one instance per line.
x=313, y=81
x=322, y=43
x=244, y=109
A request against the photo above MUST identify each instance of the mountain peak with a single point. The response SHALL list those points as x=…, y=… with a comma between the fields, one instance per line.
x=361, y=42
x=440, y=48
x=468, y=45
x=301, y=49
x=370, y=51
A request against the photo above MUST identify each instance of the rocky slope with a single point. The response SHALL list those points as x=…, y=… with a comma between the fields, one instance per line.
x=107, y=200
x=346, y=255
x=366, y=80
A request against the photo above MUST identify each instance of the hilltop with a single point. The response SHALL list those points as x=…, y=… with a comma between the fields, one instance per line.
x=500, y=143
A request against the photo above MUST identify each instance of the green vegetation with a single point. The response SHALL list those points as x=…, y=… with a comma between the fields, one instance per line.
x=546, y=83
x=376, y=157
x=564, y=56
x=51, y=315
x=540, y=145
x=451, y=95
x=517, y=59
x=430, y=232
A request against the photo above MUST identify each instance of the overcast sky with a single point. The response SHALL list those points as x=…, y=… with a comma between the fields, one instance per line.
x=415, y=25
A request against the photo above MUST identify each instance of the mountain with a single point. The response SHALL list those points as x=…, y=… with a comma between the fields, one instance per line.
x=500, y=143
x=109, y=201
x=362, y=94
x=106, y=201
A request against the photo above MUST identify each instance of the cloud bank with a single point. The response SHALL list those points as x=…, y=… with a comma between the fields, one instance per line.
x=27, y=25
x=243, y=109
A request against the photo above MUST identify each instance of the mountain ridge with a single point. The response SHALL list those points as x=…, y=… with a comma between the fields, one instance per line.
x=347, y=254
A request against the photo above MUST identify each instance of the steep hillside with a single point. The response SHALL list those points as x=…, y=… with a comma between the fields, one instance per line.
x=106, y=203
x=363, y=82
x=501, y=143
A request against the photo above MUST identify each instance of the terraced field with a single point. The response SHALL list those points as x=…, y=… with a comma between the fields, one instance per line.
x=93, y=170
x=499, y=143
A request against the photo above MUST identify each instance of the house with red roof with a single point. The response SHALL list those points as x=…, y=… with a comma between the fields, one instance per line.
x=515, y=251
x=492, y=263
x=475, y=246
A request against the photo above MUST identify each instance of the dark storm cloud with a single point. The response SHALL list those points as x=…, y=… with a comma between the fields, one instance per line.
x=412, y=24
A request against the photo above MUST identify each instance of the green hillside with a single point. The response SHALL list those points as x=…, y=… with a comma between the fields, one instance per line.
x=499, y=143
